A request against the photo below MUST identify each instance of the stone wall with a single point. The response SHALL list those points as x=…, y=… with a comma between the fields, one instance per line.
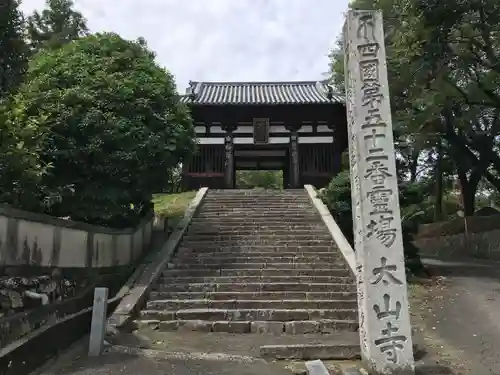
x=478, y=245
x=19, y=325
x=475, y=224
x=28, y=238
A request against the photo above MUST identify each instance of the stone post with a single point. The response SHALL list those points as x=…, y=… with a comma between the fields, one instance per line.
x=295, y=167
x=385, y=331
x=98, y=324
x=229, y=161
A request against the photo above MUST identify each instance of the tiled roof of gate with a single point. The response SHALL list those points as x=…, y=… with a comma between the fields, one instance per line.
x=303, y=92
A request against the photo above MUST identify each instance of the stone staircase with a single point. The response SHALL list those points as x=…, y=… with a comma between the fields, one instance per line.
x=259, y=263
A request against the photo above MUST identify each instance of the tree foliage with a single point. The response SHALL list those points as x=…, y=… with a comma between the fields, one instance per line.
x=13, y=49
x=21, y=168
x=113, y=125
x=56, y=25
x=444, y=76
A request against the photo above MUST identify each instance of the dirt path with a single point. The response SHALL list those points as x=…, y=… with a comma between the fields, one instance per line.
x=461, y=316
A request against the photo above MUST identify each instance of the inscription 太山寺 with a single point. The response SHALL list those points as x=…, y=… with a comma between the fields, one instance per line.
x=385, y=273
x=390, y=340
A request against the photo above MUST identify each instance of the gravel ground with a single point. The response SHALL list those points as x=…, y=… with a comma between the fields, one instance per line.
x=460, y=316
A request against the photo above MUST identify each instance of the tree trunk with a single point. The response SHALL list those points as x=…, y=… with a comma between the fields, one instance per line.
x=438, y=211
x=463, y=148
x=467, y=193
x=413, y=166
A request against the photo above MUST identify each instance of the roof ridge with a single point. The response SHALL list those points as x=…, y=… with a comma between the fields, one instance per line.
x=262, y=92
x=257, y=82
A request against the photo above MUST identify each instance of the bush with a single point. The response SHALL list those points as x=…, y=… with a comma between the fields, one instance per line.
x=113, y=124
x=337, y=197
x=262, y=179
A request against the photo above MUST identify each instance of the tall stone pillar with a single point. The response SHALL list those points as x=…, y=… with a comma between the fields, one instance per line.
x=385, y=331
x=229, y=161
x=294, y=158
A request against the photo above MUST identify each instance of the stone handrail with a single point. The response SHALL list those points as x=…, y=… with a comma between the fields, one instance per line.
x=339, y=238
x=145, y=277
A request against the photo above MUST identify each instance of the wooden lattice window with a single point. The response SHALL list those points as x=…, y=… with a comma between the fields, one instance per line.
x=260, y=130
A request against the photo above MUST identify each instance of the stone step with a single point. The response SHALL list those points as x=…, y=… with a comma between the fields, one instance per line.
x=272, y=215
x=267, y=207
x=327, y=255
x=249, y=241
x=237, y=221
x=240, y=249
x=181, y=304
x=257, y=265
x=288, y=236
x=324, y=326
x=255, y=287
x=258, y=202
x=238, y=252
x=225, y=227
x=280, y=315
x=256, y=197
x=211, y=247
x=256, y=296
x=246, y=345
x=236, y=258
x=338, y=272
x=255, y=279
x=259, y=256
x=211, y=231
x=259, y=197
x=257, y=211
x=338, y=351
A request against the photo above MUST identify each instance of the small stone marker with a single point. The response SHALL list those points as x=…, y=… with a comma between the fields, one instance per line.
x=385, y=331
x=316, y=367
x=98, y=326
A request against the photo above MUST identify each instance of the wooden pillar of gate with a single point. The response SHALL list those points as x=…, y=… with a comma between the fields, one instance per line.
x=229, y=165
x=339, y=145
x=294, y=156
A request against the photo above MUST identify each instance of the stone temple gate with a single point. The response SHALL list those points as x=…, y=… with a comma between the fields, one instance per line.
x=297, y=127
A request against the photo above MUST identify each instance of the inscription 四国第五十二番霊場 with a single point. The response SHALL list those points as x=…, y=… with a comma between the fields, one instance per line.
x=374, y=128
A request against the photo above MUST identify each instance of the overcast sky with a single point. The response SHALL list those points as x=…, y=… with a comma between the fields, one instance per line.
x=224, y=40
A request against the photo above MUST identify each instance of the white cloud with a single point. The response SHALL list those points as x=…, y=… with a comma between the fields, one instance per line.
x=225, y=40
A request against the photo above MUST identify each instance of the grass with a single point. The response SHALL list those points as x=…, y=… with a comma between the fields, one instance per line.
x=172, y=206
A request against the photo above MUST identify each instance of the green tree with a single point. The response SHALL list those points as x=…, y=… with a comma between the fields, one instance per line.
x=114, y=127
x=21, y=168
x=452, y=50
x=57, y=25
x=13, y=49
x=444, y=79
